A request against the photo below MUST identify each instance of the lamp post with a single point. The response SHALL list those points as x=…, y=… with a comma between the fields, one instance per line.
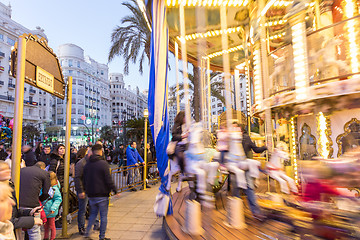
x=146, y=115
x=124, y=125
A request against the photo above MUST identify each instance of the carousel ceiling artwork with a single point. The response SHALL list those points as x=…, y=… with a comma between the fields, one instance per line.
x=241, y=15
x=211, y=34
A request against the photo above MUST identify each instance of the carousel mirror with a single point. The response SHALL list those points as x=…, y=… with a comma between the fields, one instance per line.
x=307, y=143
x=350, y=138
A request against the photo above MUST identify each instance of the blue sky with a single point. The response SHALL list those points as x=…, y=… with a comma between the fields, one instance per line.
x=87, y=24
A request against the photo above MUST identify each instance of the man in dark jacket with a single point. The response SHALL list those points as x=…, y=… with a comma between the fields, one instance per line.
x=45, y=156
x=29, y=156
x=98, y=185
x=121, y=155
x=249, y=146
x=80, y=190
x=33, y=180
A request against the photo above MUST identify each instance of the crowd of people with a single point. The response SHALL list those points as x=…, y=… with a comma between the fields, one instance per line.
x=42, y=183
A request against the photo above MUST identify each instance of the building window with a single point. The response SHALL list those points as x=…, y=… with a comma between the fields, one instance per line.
x=240, y=85
x=81, y=101
x=80, y=111
x=73, y=111
x=70, y=72
x=60, y=121
x=11, y=41
x=1, y=37
x=80, y=91
x=70, y=62
x=219, y=105
x=74, y=101
x=78, y=64
x=242, y=104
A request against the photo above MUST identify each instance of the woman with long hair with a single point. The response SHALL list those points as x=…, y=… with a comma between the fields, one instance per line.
x=57, y=162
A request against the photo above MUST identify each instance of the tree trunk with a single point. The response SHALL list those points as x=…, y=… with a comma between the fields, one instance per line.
x=196, y=72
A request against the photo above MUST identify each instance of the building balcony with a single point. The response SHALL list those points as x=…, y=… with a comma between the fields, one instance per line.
x=31, y=103
x=8, y=98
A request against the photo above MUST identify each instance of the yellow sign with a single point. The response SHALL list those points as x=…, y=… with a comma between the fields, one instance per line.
x=44, y=80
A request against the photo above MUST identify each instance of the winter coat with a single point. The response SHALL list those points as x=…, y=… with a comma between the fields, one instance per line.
x=32, y=181
x=121, y=153
x=57, y=166
x=53, y=203
x=29, y=158
x=3, y=154
x=20, y=218
x=97, y=178
x=79, y=174
x=46, y=158
x=132, y=156
x=249, y=145
x=7, y=231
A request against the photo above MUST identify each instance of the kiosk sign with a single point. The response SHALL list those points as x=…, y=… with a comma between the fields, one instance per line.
x=42, y=67
x=44, y=80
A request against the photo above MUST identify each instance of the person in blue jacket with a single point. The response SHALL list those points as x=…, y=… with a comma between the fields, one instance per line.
x=133, y=157
x=51, y=206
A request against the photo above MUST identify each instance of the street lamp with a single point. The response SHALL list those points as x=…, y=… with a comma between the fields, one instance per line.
x=146, y=115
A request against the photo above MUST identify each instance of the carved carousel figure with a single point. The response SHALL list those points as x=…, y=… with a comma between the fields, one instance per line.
x=275, y=168
x=196, y=162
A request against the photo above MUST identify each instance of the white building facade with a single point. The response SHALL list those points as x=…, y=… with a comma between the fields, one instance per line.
x=37, y=103
x=126, y=103
x=90, y=96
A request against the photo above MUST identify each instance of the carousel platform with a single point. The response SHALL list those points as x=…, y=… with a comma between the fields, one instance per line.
x=214, y=221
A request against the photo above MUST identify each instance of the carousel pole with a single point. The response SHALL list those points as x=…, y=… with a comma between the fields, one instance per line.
x=177, y=77
x=200, y=23
x=265, y=76
x=226, y=63
x=248, y=76
x=208, y=93
x=185, y=67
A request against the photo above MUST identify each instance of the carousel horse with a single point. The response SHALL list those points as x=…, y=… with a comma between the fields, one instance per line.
x=274, y=167
x=174, y=169
x=237, y=162
x=196, y=162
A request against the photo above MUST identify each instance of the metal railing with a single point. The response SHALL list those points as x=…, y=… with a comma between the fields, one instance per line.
x=121, y=177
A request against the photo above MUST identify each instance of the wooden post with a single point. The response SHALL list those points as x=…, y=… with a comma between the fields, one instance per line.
x=18, y=116
x=65, y=212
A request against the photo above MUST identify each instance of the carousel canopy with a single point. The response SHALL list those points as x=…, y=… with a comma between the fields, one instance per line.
x=203, y=32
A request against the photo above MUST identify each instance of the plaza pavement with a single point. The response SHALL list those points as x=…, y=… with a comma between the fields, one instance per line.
x=130, y=217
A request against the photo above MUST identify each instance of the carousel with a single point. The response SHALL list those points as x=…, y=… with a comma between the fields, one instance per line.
x=301, y=63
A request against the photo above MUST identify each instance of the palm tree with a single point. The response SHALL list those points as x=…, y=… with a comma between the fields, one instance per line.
x=132, y=39
x=30, y=132
x=135, y=129
x=107, y=133
x=216, y=88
